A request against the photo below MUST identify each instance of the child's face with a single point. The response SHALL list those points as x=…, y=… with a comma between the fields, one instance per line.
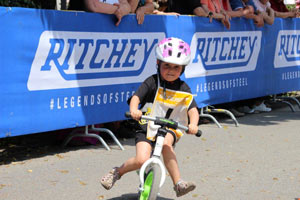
x=170, y=72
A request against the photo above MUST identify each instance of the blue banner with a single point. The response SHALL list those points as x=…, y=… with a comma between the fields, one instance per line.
x=66, y=69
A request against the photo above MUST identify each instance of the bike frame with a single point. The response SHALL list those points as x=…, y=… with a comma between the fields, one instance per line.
x=155, y=159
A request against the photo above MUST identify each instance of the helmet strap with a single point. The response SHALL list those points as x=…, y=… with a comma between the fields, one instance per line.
x=183, y=68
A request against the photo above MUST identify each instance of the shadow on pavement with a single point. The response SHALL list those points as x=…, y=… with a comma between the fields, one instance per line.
x=133, y=197
x=26, y=147
x=280, y=113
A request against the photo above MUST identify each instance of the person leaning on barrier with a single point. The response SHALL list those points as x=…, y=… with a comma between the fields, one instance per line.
x=236, y=13
x=160, y=7
x=242, y=4
x=119, y=8
x=264, y=7
x=186, y=7
x=214, y=7
x=281, y=10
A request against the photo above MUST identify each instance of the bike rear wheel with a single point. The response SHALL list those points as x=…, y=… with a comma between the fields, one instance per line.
x=151, y=184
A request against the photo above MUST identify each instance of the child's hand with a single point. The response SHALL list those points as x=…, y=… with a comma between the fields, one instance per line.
x=136, y=114
x=193, y=129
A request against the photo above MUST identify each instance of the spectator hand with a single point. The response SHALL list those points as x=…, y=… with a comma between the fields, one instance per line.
x=226, y=21
x=293, y=14
x=248, y=10
x=123, y=9
x=259, y=21
x=193, y=129
x=140, y=15
x=296, y=12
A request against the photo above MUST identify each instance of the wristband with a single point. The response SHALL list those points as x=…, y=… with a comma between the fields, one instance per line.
x=210, y=14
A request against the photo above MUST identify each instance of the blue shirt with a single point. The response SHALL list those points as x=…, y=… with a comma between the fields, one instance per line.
x=237, y=4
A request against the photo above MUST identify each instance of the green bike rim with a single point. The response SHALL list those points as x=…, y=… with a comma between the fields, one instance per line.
x=147, y=186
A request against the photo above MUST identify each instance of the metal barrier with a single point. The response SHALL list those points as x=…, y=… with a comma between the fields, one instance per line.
x=208, y=110
x=93, y=135
x=286, y=100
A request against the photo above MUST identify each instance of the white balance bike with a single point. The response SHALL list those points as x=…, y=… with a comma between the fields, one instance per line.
x=153, y=173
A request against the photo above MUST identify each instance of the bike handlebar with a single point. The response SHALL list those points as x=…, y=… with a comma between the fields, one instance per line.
x=164, y=122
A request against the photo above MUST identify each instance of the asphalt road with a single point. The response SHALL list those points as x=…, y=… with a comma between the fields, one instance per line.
x=259, y=160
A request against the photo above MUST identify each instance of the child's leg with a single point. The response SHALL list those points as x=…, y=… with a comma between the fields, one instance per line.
x=170, y=160
x=143, y=152
x=181, y=187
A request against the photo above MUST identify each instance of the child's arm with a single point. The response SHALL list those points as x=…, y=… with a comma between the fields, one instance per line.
x=134, y=108
x=194, y=118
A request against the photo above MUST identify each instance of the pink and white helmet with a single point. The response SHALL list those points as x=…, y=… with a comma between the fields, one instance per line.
x=173, y=50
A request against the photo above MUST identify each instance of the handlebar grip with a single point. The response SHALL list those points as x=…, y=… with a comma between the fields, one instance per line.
x=199, y=133
x=127, y=114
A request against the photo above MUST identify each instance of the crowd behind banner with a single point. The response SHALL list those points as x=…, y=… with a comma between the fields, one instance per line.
x=74, y=100
x=261, y=11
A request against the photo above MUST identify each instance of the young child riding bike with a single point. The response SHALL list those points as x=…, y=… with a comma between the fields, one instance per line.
x=163, y=95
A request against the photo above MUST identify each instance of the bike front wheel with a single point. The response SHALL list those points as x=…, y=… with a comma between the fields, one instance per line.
x=151, y=184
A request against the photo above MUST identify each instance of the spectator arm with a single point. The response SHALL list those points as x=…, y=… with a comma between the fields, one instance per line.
x=284, y=14
x=199, y=11
x=148, y=8
x=269, y=16
x=99, y=7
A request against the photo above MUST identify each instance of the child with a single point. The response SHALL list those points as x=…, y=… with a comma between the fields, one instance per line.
x=156, y=93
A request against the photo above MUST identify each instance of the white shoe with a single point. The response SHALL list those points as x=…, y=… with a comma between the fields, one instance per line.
x=262, y=108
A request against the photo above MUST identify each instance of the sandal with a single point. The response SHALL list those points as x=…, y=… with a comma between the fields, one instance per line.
x=182, y=187
x=109, y=179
